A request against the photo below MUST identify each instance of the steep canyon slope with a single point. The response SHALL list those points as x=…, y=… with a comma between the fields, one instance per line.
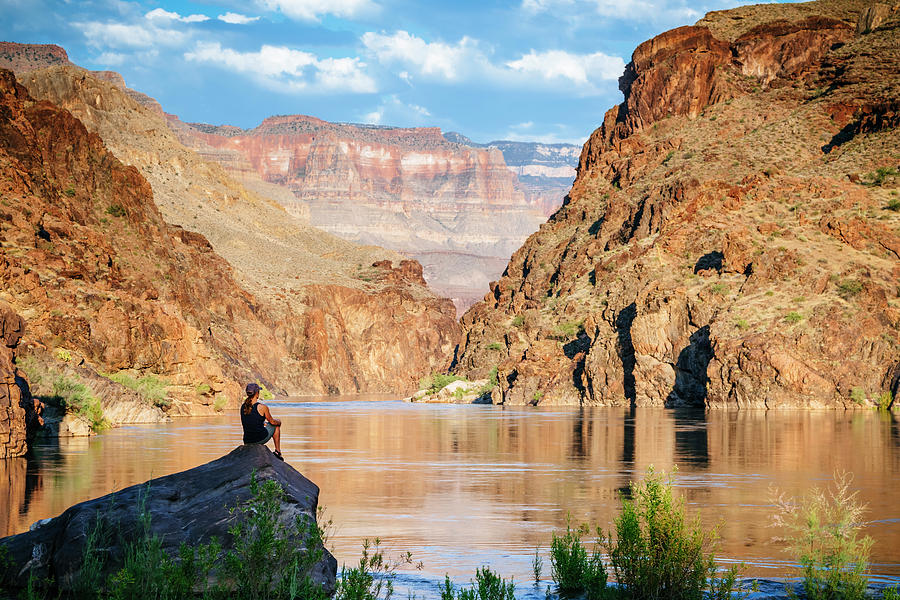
x=410, y=190
x=91, y=264
x=733, y=234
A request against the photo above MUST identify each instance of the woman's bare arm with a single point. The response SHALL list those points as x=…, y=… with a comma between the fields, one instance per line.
x=268, y=415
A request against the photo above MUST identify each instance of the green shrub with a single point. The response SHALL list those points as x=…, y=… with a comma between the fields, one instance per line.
x=151, y=388
x=70, y=192
x=88, y=582
x=536, y=397
x=374, y=578
x=264, y=392
x=203, y=389
x=742, y=324
x=537, y=566
x=885, y=399
x=495, y=346
x=891, y=593
x=437, y=382
x=719, y=288
x=115, y=210
x=573, y=568
x=148, y=572
x=63, y=354
x=793, y=317
x=658, y=552
x=265, y=560
x=518, y=321
x=858, y=395
x=881, y=175
x=219, y=403
x=487, y=586
x=893, y=204
x=668, y=157
x=849, y=288
x=77, y=398
x=823, y=534
x=492, y=382
x=570, y=329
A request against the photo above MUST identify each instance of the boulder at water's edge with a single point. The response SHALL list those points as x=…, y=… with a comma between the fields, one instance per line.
x=192, y=506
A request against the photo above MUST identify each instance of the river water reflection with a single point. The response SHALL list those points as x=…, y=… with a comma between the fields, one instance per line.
x=464, y=486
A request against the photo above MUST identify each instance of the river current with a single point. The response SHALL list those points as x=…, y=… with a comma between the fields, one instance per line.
x=465, y=486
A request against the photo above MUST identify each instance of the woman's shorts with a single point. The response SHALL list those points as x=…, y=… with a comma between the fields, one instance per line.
x=270, y=431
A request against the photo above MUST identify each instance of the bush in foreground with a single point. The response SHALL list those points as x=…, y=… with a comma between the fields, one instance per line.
x=823, y=533
x=575, y=569
x=659, y=553
x=487, y=586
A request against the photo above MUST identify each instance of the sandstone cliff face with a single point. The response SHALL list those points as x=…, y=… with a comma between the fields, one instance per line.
x=544, y=172
x=406, y=189
x=88, y=259
x=16, y=410
x=21, y=58
x=732, y=238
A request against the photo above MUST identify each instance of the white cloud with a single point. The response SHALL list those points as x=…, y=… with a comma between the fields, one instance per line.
x=579, y=69
x=158, y=14
x=287, y=69
x=237, y=18
x=628, y=10
x=394, y=111
x=465, y=60
x=121, y=35
x=111, y=59
x=444, y=61
x=313, y=10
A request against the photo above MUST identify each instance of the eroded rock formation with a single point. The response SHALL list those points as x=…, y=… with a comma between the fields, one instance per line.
x=87, y=255
x=190, y=508
x=16, y=410
x=732, y=236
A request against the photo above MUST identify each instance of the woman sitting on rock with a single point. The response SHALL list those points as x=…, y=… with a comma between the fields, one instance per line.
x=259, y=424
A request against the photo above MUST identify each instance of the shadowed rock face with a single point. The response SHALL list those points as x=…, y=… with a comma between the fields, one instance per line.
x=16, y=410
x=190, y=507
x=729, y=239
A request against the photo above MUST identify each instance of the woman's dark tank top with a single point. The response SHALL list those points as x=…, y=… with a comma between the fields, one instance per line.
x=254, y=425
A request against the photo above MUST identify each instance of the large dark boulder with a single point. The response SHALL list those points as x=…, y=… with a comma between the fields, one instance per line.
x=192, y=506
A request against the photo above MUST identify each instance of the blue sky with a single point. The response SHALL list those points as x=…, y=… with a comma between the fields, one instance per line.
x=524, y=69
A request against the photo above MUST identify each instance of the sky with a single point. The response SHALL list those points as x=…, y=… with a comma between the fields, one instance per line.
x=529, y=70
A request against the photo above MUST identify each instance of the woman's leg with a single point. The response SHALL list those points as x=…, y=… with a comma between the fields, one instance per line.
x=277, y=437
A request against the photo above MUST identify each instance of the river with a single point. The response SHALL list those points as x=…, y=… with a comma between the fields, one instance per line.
x=465, y=486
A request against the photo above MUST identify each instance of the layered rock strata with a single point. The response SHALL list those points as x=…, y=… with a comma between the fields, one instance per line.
x=89, y=260
x=544, y=172
x=733, y=236
x=17, y=414
x=190, y=508
x=410, y=190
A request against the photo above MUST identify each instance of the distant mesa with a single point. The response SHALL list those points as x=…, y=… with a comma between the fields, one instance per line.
x=414, y=190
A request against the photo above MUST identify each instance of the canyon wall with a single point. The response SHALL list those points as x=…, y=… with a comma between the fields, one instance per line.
x=544, y=172
x=732, y=238
x=90, y=261
x=457, y=209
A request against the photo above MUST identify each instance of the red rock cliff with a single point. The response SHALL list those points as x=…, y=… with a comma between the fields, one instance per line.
x=406, y=189
x=732, y=238
x=87, y=256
